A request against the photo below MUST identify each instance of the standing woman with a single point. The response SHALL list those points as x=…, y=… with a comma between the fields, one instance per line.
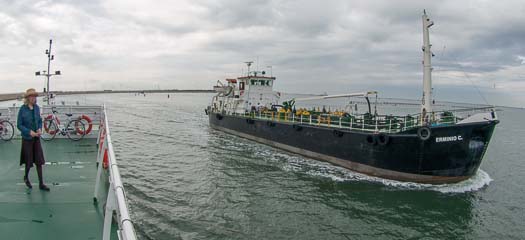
x=30, y=125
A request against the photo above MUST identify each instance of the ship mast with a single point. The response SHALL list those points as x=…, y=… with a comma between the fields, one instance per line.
x=48, y=73
x=426, y=104
x=249, y=64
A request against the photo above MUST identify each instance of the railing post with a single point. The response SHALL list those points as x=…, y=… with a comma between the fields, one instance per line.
x=99, y=133
x=108, y=215
x=363, y=123
x=340, y=125
x=99, y=161
x=351, y=121
x=390, y=126
x=97, y=181
x=310, y=118
x=293, y=117
x=376, y=123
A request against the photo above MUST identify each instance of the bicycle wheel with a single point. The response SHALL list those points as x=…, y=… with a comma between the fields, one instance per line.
x=75, y=130
x=50, y=131
x=7, y=131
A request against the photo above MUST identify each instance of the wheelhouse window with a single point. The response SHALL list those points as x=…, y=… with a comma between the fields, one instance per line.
x=257, y=82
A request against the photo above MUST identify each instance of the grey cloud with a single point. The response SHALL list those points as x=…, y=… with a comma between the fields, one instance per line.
x=314, y=46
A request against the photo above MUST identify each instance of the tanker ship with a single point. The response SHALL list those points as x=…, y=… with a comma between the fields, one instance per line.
x=427, y=146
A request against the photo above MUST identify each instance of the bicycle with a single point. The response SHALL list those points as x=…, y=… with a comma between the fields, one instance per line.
x=74, y=128
x=7, y=131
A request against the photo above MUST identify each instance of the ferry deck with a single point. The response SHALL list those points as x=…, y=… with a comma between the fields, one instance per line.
x=76, y=207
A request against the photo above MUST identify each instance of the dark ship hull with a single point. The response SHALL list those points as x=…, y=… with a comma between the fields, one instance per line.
x=451, y=154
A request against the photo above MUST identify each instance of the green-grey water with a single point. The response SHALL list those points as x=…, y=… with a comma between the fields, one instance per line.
x=187, y=181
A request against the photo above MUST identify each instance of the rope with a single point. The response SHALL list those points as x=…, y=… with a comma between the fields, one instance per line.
x=467, y=76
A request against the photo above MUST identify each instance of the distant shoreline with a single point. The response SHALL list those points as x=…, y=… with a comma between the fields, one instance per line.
x=14, y=96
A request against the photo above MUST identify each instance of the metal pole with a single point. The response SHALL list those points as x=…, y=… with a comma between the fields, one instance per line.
x=48, y=69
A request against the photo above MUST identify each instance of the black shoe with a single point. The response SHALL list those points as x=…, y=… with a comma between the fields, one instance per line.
x=43, y=187
x=28, y=184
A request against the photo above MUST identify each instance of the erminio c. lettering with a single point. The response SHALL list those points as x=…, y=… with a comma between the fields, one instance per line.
x=449, y=139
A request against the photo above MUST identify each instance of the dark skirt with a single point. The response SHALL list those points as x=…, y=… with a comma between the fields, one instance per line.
x=32, y=152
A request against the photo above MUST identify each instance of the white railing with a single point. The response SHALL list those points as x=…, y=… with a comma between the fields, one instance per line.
x=93, y=112
x=116, y=197
x=378, y=123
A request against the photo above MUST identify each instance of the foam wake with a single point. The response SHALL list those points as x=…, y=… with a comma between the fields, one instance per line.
x=339, y=174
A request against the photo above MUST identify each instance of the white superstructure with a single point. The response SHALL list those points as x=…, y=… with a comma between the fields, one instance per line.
x=253, y=92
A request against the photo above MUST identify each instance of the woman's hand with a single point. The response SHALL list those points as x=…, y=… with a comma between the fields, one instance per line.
x=39, y=132
x=33, y=134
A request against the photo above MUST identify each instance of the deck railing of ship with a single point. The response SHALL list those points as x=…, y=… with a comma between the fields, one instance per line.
x=368, y=123
x=93, y=112
x=116, y=198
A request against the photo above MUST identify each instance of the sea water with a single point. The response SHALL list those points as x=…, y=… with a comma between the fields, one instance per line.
x=187, y=181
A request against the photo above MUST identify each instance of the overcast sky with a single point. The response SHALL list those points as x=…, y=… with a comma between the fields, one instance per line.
x=314, y=46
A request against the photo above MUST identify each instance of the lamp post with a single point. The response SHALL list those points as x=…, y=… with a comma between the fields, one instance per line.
x=48, y=73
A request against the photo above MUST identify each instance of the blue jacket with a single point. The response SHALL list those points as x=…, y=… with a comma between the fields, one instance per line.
x=24, y=123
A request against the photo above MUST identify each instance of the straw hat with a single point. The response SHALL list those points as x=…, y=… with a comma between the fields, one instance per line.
x=30, y=92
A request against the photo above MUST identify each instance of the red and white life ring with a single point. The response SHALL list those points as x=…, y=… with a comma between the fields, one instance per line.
x=46, y=127
x=90, y=125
